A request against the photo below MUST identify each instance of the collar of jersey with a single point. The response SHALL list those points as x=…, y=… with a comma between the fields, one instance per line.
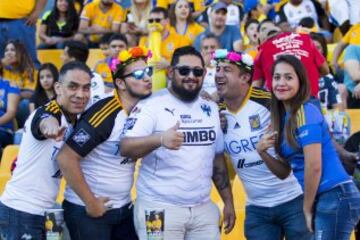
x=118, y=100
x=244, y=101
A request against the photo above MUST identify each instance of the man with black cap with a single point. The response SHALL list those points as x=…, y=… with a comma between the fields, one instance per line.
x=230, y=36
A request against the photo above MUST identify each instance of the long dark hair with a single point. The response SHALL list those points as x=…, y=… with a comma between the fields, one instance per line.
x=172, y=15
x=72, y=18
x=39, y=92
x=277, y=107
x=24, y=63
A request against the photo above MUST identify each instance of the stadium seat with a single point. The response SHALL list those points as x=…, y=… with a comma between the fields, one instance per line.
x=8, y=157
x=53, y=56
x=355, y=119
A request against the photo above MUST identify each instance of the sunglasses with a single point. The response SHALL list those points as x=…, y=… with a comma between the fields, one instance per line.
x=157, y=20
x=185, y=71
x=140, y=74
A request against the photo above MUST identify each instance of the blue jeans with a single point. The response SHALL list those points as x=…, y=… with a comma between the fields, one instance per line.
x=116, y=224
x=15, y=225
x=337, y=212
x=16, y=29
x=271, y=223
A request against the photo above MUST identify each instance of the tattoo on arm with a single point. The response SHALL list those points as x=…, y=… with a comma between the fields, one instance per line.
x=220, y=176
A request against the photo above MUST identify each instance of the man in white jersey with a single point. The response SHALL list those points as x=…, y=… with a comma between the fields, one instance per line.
x=34, y=185
x=274, y=206
x=97, y=201
x=179, y=137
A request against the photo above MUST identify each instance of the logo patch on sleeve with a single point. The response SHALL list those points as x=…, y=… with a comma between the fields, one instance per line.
x=81, y=137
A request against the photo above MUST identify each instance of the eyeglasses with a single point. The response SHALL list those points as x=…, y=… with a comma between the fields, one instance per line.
x=185, y=71
x=157, y=20
x=140, y=74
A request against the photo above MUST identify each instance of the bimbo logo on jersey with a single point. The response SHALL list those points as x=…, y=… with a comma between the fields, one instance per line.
x=198, y=136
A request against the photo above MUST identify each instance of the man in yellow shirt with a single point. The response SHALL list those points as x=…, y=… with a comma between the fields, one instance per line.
x=17, y=22
x=98, y=18
x=352, y=37
x=170, y=41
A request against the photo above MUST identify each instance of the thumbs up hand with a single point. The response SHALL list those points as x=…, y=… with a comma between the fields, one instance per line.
x=171, y=138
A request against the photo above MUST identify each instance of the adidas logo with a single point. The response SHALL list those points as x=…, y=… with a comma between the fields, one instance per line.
x=237, y=125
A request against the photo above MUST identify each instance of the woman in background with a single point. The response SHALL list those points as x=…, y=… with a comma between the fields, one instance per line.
x=48, y=75
x=58, y=25
x=303, y=144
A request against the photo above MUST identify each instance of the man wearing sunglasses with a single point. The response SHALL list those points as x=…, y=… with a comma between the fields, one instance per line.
x=178, y=135
x=97, y=202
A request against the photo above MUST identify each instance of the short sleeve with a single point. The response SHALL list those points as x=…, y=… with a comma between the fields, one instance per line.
x=49, y=110
x=309, y=121
x=13, y=90
x=220, y=145
x=45, y=18
x=141, y=122
x=352, y=52
x=86, y=12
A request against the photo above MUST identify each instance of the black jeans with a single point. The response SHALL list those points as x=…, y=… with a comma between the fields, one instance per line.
x=116, y=224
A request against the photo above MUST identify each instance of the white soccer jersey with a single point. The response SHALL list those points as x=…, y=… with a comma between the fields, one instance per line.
x=97, y=90
x=177, y=177
x=97, y=139
x=244, y=131
x=35, y=182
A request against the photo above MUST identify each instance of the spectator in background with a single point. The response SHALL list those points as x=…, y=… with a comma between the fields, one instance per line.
x=196, y=6
x=352, y=75
x=9, y=99
x=18, y=21
x=234, y=15
x=18, y=68
x=209, y=44
x=79, y=51
x=182, y=22
x=329, y=93
x=97, y=18
x=105, y=67
x=251, y=32
x=104, y=44
x=58, y=25
x=170, y=41
x=136, y=20
x=344, y=14
x=352, y=37
x=47, y=76
x=230, y=36
x=275, y=43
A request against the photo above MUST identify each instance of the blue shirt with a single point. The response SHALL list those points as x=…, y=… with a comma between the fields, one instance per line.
x=352, y=52
x=5, y=90
x=227, y=38
x=312, y=128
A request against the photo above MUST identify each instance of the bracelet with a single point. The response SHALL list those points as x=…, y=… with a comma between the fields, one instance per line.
x=161, y=140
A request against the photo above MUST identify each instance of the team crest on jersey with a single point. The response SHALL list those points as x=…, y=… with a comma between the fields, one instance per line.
x=129, y=124
x=206, y=109
x=254, y=121
x=81, y=137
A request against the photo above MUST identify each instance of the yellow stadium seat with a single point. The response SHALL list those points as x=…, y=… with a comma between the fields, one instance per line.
x=53, y=56
x=354, y=119
x=8, y=157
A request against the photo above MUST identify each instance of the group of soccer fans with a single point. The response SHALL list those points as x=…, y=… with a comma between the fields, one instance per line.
x=261, y=103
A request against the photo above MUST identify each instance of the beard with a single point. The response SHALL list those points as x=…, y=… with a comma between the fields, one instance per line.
x=185, y=95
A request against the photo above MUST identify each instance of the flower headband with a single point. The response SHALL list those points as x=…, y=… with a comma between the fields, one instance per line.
x=128, y=56
x=241, y=59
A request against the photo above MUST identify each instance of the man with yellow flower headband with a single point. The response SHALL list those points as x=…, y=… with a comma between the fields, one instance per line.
x=97, y=201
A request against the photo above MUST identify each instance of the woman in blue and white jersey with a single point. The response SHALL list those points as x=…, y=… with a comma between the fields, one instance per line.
x=303, y=144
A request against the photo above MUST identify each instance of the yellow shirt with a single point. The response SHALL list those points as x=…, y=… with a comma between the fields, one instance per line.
x=156, y=224
x=198, y=4
x=95, y=16
x=192, y=31
x=353, y=35
x=22, y=81
x=16, y=9
x=102, y=68
x=169, y=44
x=251, y=50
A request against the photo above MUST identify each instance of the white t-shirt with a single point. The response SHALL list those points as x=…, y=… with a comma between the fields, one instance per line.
x=177, y=177
x=295, y=13
x=96, y=138
x=34, y=186
x=244, y=131
x=97, y=90
x=209, y=81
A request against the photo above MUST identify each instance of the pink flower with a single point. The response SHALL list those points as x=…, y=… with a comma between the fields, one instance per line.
x=114, y=62
x=233, y=56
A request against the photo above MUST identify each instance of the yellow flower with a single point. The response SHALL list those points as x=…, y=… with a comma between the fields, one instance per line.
x=124, y=56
